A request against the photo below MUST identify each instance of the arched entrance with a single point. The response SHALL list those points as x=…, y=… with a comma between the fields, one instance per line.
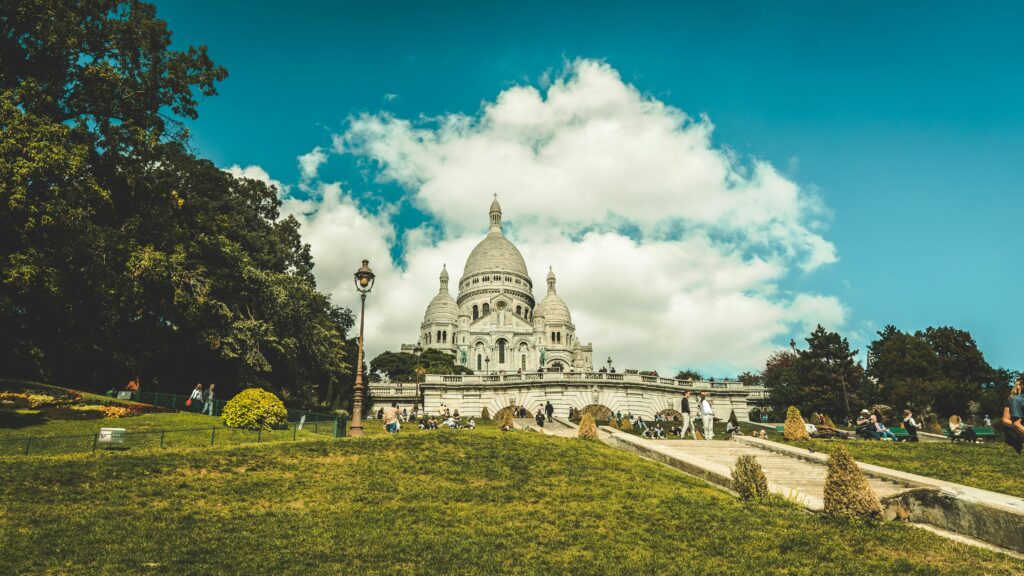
x=599, y=412
x=670, y=414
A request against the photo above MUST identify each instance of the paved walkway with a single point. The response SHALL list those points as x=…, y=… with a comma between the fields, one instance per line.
x=798, y=478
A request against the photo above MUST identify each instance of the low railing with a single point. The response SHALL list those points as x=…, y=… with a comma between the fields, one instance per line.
x=120, y=440
x=595, y=377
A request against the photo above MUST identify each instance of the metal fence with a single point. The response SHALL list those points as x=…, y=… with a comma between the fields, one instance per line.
x=301, y=424
x=120, y=441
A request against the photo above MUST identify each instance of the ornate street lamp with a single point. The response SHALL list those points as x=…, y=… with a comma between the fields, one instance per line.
x=364, y=283
x=487, y=363
x=421, y=373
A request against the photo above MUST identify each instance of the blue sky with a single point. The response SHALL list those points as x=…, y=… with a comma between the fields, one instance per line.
x=905, y=118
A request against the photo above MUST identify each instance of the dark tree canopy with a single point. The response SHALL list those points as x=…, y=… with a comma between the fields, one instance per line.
x=689, y=375
x=121, y=252
x=402, y=366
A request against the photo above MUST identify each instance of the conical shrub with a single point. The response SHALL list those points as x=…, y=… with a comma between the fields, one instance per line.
x=847, y=492
x=794, y=428
x=505, y=419
x=485, y=414
x=829, y=423
x=625, y=424
x=613, y=423
x=588, y=429
x=748, y=479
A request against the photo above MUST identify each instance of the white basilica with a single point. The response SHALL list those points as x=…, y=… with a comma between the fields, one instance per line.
x=495, y=325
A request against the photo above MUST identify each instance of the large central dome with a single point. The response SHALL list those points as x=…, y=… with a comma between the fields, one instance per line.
x=495, y=253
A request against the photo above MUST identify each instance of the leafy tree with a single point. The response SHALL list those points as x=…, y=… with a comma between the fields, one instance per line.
x=689, y=375
x=907, y=370
x=123, y=254
x=961, y=364
x=402, y=366
x=821, y=378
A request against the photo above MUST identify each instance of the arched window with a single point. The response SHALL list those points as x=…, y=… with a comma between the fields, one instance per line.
x=524, y=362
x=487, y=308
x=439, y=340
x=476, y=312
x=444, y=337
x=557, y=367
x=519, y=310
x=479, y=361
x=501, y=351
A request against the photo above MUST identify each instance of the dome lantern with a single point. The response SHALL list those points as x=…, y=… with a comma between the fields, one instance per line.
x=495, y=215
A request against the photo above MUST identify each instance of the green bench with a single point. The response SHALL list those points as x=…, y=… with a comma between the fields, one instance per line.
x=980, y=432
x=899, y=433
x=780, y=429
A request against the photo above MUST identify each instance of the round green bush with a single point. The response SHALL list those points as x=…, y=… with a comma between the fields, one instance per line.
x=254, y=409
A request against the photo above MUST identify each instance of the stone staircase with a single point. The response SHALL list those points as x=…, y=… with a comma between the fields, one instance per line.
x=801, y=477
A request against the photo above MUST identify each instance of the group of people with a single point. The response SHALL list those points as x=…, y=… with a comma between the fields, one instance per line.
x=1013, y=417
x=393, y=417
x=203, y=398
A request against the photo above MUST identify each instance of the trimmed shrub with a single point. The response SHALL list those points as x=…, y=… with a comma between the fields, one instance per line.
x=847, y=492
x=485, y=414
x=254, y=409
x=588, y=429
x=748, y=479
x=829, y=423
x=732, y=419
x=794, y=428
x=625, y=424
x=613, y=423
x=505, y=419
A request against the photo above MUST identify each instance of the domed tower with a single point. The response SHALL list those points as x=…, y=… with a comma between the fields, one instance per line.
x=559, y=331
x=440, y=321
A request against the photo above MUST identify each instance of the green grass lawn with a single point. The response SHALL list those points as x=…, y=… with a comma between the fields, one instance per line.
x=444, y=502
x=991, y=465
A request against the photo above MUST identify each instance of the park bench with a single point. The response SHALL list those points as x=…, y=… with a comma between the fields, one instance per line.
x=780, y=429
x=899, y=433
x=980, y=432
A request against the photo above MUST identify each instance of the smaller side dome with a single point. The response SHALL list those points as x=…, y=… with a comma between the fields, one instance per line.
x=552, y=307
x=442, y=307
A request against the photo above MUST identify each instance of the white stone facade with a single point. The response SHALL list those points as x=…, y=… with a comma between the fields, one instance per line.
x=634, y=394
x=495, y=326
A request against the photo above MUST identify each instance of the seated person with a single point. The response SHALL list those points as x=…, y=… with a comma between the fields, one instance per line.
x=959, y=430
x=881, y=430
x=762, y=435
x=865, y=428
x=647, y=433
x=732, y=428
x=471, y=424
x=450, y=422
x=658, y=432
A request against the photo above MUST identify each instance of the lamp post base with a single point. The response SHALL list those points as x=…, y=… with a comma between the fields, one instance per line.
x=355, y=431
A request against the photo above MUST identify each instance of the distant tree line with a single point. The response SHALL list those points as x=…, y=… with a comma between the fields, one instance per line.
x=122, y=253
x=406, y=367
x=937, y=371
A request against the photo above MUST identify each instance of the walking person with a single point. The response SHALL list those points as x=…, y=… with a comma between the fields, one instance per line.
x=208, y=400
x=910, y=425
x=196, y=398
x=685, y=409
x=549, y=409
x=707, y=414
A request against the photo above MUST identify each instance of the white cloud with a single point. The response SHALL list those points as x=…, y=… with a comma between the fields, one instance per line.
x=668, y=250
x=309, y=164
x=254, y=172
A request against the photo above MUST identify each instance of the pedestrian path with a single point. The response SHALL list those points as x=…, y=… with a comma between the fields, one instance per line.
x=799, y=478
x=976, y=516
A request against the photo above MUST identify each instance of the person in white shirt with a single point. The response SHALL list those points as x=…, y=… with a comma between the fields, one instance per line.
x=707, y=414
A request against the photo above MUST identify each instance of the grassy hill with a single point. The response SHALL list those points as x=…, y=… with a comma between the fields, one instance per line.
x=443, y=502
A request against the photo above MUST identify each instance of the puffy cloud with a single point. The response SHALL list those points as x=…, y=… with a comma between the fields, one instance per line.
x=254, y=172
x=309, y=164
x=669, y=251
